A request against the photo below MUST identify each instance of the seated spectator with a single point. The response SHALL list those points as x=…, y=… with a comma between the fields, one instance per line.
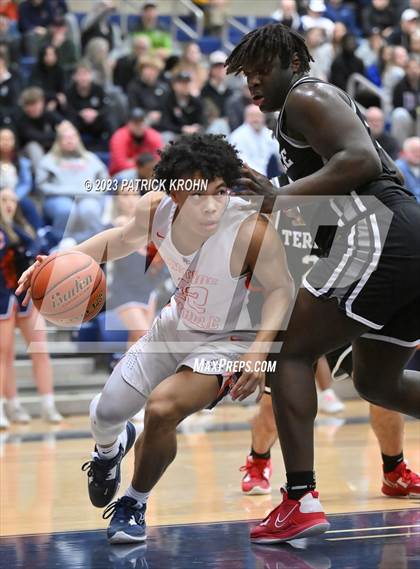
x=376, y=121
x=126, y=66
x=369, y=48
x=143, y=168
x=406, y=102
x=409, y=165
x=394, y=70
x=87, y=107
x=97, y=54
x=339, y=11
x=15, y=170
x=18, y=247
x=61, y=176
x=182, y=113
x=131, y=140
x=9, y=10
x=288, y=15
x=322, y=52
x=49, y=75
x=339, y=32
x=147, y=91
x=347, y=63
x=378, y=14
x=34, y=18
x=215, y=124
x=216, y=88
x=97, y=24
x=16, y=174
x=315, y=18
x=414, y=48
x=9, y=92
x=409, y=22
x=254, y=141
x=236, y=104
x=9, y=43
x=35, y=125
x=60, y=37
x=191, y=61
x=148, y=25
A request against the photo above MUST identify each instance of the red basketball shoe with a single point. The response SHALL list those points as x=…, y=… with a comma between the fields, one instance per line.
x=292, y=519
x=257, y=477
x=401, y=482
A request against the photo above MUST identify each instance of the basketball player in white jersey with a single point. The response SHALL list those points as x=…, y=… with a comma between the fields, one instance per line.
x=211, y=247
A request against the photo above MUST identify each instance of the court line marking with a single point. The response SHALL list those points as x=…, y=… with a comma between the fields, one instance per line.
x=372, y=529
x=373, y=536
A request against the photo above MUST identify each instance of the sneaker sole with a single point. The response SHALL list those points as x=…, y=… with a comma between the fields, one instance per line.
x=402, y=496
x=257, y=491
x=308, y=532
x=122, y=537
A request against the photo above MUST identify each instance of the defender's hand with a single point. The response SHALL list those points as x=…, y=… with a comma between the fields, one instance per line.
x=256, y=184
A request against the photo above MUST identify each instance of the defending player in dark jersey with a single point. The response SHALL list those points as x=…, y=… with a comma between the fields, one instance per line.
x=365, y=290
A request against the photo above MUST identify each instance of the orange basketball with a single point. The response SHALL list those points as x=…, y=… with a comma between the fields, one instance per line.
x=68, y=288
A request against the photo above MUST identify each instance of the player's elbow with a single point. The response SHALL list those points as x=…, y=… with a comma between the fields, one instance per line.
x=364, y=163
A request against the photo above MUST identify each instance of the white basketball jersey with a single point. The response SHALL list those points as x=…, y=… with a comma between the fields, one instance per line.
x=207, y=298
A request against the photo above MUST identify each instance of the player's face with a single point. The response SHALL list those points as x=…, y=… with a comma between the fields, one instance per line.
x=269, y=87
x=201, y=211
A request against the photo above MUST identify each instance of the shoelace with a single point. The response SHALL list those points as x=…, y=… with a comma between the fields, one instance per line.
x=253, y=470
x=125, y=505
x=408, y=474
x=98, y=469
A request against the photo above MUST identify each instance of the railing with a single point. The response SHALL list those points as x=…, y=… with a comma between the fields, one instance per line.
x=355, y=80
x=179, y=24
x=232, y=23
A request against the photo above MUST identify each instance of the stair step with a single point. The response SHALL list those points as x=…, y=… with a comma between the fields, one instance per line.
x=62, y=367
x=65, y=383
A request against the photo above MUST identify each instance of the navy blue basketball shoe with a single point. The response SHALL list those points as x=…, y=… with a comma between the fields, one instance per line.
x=104, y=475
x=127, y=524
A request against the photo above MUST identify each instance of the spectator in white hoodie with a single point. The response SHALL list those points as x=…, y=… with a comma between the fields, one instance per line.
x=66, y=177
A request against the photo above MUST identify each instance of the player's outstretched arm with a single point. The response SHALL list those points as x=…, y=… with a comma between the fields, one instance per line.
x=121, y=241
x=266, y=258
x=110, y=244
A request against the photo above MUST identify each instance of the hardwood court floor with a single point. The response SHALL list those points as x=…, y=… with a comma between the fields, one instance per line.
x=42, y=488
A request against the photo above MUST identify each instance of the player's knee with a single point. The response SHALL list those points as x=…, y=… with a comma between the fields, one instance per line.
x=162, y=414
x=105, y=412
x=366, y=388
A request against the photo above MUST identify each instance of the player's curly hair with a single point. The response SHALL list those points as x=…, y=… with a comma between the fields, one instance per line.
x=261, y=46
x=210, y=155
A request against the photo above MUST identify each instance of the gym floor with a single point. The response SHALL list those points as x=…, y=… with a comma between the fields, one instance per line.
x=197, y=515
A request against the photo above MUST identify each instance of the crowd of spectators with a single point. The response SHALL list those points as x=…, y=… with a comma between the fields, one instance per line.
x=84, y=98
x=86, y=102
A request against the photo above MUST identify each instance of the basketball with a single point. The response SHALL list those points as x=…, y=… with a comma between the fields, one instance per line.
x=68, y=288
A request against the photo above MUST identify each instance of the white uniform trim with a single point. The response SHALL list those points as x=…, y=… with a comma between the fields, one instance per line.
x=392, y=340
x=372, y=266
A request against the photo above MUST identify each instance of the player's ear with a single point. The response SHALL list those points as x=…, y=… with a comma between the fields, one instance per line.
x=295, y=65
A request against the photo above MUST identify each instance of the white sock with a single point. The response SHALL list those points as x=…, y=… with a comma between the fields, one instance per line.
x=47, y=400
x=140, y=497
x=112, y=451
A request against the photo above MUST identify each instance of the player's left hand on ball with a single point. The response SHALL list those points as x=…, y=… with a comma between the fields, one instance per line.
x=24, y=281
x=255, y=184
x=249, y=381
